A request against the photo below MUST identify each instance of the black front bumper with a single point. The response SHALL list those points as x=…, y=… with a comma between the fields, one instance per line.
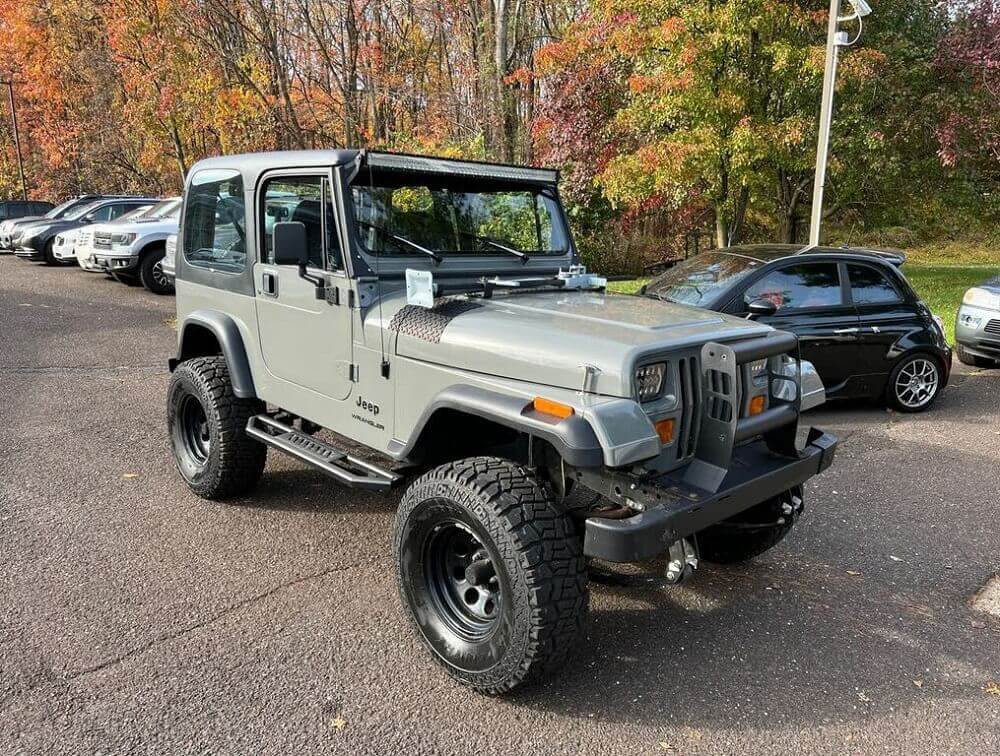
x=675, y=509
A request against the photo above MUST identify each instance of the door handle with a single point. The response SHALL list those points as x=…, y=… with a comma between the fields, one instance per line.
x=876, y=329
x=841, y=331
x=270, y=284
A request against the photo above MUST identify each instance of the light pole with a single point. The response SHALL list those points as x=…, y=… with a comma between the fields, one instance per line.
x=835, y=39
x=17, y=139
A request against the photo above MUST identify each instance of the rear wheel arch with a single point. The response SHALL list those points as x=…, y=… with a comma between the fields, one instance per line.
x=208, y=333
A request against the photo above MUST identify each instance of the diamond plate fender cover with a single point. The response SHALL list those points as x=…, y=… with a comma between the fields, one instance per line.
x=428, y=324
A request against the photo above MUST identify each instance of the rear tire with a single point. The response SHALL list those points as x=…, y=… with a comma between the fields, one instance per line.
x=914, y=384
x=491, y=573
x=973, y=360
x=751, y=533
x=151, y=272
x=207, y=425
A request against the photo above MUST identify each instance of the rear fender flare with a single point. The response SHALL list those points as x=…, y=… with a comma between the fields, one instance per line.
x=192, y=342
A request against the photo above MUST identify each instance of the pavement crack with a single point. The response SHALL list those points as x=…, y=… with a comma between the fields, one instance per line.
x=76, y=369
x=232, y=608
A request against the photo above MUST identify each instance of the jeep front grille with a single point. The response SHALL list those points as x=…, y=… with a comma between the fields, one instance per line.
x=689, y=394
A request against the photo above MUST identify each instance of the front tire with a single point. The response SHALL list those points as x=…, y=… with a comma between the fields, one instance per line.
x=751, y=533
x=48, y=255
x=151, y=272
x=491, y=573
x=973, y=360
x=914, y=383
x=207, y=424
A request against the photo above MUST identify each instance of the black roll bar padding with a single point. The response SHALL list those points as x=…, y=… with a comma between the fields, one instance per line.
x=766, y=421
x=777, y=342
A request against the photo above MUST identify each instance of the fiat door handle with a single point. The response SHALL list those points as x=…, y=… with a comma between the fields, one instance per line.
x=842, y=331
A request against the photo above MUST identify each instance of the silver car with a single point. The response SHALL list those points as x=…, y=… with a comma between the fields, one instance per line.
x=977, y=326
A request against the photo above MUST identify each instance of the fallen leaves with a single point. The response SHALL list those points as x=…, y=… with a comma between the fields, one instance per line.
x=992, y=688
x=338, y=723
x=130, y=475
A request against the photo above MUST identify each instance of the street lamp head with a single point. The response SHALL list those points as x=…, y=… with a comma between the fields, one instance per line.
x=861, y=8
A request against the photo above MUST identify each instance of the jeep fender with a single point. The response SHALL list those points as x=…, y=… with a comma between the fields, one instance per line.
x=620, y=433
x=195, y=340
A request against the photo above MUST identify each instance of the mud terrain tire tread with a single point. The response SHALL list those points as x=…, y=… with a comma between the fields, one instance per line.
x=236, y=461
x=540, y=551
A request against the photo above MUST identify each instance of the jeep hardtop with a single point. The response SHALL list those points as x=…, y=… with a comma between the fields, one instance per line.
x=392, y=319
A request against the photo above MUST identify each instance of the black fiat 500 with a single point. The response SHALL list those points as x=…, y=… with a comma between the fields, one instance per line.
x=857, y=318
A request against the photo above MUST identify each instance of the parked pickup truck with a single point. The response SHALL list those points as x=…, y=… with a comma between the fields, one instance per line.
x=132, y=248
x=434, y=314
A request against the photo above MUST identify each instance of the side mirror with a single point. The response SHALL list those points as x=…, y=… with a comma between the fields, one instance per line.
x=289, y=244
x=761, y=307
x=88, y=218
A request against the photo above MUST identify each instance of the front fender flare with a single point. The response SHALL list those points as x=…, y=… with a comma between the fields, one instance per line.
x=230, y=342
x=573, y=438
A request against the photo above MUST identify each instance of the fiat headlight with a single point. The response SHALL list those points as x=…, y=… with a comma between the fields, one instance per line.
x=649, y=381
x=981, y=298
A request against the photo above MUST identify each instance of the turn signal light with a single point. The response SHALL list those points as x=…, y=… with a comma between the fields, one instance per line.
x=549, y=407
x=665, y=430
x=757, y=405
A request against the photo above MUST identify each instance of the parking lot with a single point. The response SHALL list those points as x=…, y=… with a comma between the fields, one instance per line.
x=135, y=617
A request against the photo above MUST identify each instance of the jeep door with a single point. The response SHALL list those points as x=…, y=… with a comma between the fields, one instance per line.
x=304, y=340
x=812, y=303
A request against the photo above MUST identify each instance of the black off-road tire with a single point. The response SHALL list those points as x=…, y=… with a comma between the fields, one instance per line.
x=974, y=360
x=749, y=534
x=150, y=271
x=535, y=558
x=207, y=424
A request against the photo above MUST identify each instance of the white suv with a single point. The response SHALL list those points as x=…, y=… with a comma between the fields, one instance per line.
x=131, y=249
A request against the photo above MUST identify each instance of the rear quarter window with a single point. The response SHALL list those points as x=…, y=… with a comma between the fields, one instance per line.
x=870, y=286
x=215, y=221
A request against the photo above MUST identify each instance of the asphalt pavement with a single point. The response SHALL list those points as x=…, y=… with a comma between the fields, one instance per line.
x=137, y=618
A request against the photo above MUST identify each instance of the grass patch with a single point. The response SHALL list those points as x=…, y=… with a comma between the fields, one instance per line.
x=940, y=286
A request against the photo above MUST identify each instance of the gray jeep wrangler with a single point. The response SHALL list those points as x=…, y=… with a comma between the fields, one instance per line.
x=387, y=317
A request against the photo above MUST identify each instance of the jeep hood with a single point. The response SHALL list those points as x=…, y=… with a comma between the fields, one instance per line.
x=549, y=337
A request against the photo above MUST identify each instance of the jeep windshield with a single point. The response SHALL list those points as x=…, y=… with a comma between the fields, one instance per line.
x=400, y=213
x=699, y=280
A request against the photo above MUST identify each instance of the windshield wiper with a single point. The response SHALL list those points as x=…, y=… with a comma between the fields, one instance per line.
x=419, y=247
x=522, y=256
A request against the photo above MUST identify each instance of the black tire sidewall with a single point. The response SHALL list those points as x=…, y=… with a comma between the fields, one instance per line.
x=146, y=276
x=894, y=401
x=498, y=651
x=183, y=384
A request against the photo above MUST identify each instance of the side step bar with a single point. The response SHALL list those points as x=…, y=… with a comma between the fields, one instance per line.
x=345, y=467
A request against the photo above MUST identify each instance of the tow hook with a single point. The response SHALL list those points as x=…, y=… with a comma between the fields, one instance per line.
x=682, y=561
x=791, y=508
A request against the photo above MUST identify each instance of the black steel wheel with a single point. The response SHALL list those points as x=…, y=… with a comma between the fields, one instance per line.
x=207, y=428
x=491, y=573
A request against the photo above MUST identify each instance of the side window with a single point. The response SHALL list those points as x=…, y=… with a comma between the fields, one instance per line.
x=306, y=200
x=869, y=286
x=215, y=221
x=119, y=210
x=803, y=285
x=102, y=213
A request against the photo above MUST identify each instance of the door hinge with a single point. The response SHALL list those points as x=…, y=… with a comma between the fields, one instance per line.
x=350, y=298
x=332, y=295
